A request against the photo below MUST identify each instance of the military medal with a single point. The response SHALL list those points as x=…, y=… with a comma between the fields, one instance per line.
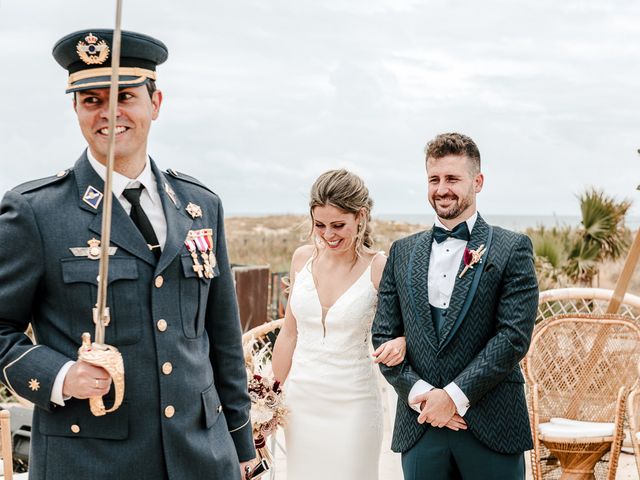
x=208, y=236
x=204, y=252
x=191, y=246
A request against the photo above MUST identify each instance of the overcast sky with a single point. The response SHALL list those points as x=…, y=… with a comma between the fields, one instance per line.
x=262, y=96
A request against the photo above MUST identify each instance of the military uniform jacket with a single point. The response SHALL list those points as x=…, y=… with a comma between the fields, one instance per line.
x=179, y=335
x=485, y=334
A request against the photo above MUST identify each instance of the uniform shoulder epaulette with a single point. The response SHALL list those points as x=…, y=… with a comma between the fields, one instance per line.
x=189, y=179
x=42, y=182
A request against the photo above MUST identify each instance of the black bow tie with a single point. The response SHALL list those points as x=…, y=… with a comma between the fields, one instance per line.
x=460, y=231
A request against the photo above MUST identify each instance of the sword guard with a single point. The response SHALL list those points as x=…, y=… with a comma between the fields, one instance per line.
x=109, y=358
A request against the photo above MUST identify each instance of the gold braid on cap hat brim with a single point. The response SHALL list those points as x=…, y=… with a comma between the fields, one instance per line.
x=141, y=73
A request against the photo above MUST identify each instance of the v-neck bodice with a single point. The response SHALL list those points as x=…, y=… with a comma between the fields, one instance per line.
x=345, y=325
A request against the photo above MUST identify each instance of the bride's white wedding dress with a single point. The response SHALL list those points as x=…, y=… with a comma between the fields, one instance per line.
x=334, y=425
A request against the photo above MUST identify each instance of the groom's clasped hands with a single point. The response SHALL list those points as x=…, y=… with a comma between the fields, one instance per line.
x=437, y=409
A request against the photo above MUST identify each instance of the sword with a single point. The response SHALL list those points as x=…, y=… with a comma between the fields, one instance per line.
x=98, y=353
x=625, y=276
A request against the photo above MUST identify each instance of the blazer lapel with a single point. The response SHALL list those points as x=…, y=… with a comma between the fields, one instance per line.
x=418, y=273
x=123, y=232
x=178, y=222
x=462, y=291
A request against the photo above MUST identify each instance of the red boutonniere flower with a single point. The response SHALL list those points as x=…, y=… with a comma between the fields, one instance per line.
x=471, y=257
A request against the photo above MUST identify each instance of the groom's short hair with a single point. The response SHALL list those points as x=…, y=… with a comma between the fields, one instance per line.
x=454, y=144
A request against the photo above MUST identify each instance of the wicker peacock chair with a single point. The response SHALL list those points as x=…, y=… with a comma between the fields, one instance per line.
x=580, y=300
x=578, y=375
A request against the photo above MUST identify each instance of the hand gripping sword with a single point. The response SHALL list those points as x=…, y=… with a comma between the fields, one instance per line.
x=98, y=353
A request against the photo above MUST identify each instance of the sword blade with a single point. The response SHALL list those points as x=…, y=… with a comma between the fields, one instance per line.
x=625, y=276
x=103, y=279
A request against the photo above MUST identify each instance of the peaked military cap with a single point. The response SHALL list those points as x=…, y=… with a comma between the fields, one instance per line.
x=86, y=54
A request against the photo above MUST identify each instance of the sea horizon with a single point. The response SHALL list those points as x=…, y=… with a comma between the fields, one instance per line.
x=511, y=222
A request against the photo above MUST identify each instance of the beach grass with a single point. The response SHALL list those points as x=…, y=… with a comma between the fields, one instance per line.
x=271, y=240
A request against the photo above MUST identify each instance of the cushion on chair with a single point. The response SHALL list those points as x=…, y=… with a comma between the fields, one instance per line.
x=567, y=428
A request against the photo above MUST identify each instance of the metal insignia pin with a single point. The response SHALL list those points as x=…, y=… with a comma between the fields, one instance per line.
x=194, y=210
x=93, y=251
x=92, y=197
x=171, y=193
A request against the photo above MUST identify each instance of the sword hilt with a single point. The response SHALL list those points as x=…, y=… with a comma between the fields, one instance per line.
x=110, y=359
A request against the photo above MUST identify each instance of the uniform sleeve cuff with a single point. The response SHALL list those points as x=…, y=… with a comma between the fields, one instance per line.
x=418, y=388
x=56, y=392
x=243, y=440
x=458, y=397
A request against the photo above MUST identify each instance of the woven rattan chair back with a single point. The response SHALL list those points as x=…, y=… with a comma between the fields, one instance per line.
x=633, y=408
x=587, y=355
x=578, y=367
x=584, y=300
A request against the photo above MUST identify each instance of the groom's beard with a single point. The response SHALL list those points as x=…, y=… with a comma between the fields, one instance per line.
x=457, y=207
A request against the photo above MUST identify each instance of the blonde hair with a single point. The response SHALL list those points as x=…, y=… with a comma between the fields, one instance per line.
x=346, y=191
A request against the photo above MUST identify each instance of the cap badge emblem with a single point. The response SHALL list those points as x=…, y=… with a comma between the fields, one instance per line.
x=92, y=51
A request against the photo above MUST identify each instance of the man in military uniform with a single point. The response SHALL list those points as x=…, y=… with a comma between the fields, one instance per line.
x=172, y=304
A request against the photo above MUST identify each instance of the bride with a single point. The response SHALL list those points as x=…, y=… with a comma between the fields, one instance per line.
x=334, y=424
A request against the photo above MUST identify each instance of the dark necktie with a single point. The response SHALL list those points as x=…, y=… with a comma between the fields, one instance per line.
x=141, y=220
x=460, y=231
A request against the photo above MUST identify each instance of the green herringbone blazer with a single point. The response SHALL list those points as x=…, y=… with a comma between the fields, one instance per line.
x=486, y=333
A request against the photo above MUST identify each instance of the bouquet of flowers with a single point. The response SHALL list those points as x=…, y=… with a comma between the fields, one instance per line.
x=267, y=404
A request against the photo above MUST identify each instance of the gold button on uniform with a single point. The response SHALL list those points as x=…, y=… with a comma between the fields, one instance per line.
x=167, y=368
x=159, y=281
x=170, y=411
x=75, y=428
x=162, y=324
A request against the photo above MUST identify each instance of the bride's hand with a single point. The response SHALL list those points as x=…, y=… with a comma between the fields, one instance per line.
x=391, y=353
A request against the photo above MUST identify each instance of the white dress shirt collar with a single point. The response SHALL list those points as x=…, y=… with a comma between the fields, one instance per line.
x=119, y=182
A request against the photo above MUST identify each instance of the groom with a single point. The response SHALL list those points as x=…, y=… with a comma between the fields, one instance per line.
x=465, y=295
